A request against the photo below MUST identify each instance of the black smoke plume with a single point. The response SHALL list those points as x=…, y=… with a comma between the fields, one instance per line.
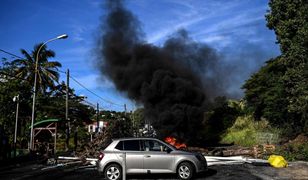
x=169, y=81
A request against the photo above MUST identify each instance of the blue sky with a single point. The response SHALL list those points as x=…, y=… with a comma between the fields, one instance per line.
x=235, y=28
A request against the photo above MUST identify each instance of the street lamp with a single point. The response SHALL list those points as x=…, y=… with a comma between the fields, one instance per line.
x=16, y=99
x=63, y=36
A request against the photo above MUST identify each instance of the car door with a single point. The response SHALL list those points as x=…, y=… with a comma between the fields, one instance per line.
x=157, y=157
x=134, y=156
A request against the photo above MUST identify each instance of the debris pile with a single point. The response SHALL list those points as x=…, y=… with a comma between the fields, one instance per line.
x=255, y=152
x=93, y=148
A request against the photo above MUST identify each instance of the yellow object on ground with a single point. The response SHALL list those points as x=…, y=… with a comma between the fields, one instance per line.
x=277, y=161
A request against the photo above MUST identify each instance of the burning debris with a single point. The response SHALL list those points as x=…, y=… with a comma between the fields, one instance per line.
x=172, y=141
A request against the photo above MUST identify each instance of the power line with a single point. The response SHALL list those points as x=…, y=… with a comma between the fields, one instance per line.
x=79, y=83
x=110, y=102
x=89, y=103
x=92, y=105
x=11, y=54
x=74, y=79
x=61, y=71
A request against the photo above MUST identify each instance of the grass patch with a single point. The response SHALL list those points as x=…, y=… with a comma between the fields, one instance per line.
x=247, y=132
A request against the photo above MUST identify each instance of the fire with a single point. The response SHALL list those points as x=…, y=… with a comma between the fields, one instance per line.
x=173, y=142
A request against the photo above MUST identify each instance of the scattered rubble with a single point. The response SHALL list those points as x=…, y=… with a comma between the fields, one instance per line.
x=93, y=148
x=254, y=152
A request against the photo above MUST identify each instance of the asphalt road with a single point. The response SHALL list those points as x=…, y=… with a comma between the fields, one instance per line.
x=236, y=172
x=295, y=171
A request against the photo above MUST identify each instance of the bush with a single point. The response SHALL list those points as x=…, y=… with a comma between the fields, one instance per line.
x=294, y=152
x=248, y=132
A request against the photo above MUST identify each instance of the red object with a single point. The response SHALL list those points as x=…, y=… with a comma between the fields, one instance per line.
x=173, y=142
x=101, y=156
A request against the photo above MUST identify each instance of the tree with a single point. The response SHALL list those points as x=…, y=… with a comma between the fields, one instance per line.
x=47, y=70
x=218, y=119
x=289, y=20
x=265, y=93
x=119, y=124
x=11, y=86
x=138, y=120
x=279, y=90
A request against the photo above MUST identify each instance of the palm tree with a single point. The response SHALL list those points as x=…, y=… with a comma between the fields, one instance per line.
x=47, y=73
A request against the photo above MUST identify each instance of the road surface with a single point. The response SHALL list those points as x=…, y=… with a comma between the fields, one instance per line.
x=221, y=172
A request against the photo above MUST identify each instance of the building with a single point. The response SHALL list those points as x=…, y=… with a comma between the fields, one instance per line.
x=92, y=128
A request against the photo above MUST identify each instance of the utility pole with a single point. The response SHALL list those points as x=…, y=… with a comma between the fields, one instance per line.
x=16, y=98
x=97, y=119
x=125, y=108
x=66, y=110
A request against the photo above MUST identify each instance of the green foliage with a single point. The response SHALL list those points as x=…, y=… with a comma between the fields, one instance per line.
x=138, y=121
x=265, y=93
x=279, y=91
x=119, y=125
x=245, y=131
x=10, y=87
x=47, y=73
x=221, y=116
x=138, y=118
x=293, y=152
x=16, y=78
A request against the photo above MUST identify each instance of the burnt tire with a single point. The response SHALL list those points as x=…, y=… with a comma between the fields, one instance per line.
x=113, y=172
x=185, y=171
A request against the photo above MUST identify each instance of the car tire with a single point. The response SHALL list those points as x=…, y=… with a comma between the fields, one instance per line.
x=185, y=171
x=113, y=172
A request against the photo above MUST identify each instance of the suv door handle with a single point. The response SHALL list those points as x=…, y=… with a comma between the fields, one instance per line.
x=147, y=156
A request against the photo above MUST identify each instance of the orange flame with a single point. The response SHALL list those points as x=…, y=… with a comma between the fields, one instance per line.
x=173, y=142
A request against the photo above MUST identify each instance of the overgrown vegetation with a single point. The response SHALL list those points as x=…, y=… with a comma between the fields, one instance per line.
x=16, y=78
x=278, y=91
x=294, y=152
x=248, y=132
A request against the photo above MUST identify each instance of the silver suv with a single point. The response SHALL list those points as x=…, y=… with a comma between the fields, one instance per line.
x=146, y=156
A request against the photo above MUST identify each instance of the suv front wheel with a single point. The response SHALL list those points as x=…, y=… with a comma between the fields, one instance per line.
x=113, y=172
x=185, y=171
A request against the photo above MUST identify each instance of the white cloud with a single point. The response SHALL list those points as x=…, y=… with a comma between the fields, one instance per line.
x=78, y=33
x=167, y=31
x=77, y=51
x=195, y=14
x=211, y=39
x=229, y=24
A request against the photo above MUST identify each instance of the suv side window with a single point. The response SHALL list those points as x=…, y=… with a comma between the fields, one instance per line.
x=151, y=145
x=132, y=145
x=119, y=146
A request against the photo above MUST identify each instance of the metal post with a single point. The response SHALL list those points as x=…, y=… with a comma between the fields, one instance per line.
x=55, y=146
x=124, y=166
x=33, y=100
x=97, y=119
x=16, y=123
x=63, y=36
x=66, y=110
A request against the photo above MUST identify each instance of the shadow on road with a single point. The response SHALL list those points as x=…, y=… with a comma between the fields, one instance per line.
x=208, y=173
